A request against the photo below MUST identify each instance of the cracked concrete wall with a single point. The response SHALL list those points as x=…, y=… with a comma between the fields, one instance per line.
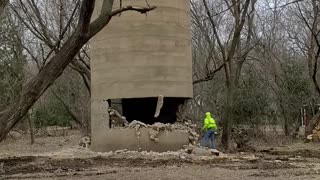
x=138, y=56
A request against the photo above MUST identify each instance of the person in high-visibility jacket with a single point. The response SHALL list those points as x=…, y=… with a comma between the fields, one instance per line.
x=210, y=128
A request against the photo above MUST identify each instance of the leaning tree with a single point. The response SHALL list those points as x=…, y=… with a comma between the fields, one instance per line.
x=84, y=31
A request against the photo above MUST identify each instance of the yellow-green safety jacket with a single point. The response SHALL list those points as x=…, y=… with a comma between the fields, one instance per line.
x=209, y=122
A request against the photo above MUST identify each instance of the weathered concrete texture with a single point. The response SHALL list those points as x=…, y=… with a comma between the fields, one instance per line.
x=99, y=115
x=117, y=139
x=143, y=55
x=139, y=56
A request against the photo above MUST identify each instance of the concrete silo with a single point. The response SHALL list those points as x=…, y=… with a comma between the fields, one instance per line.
x=138, y=57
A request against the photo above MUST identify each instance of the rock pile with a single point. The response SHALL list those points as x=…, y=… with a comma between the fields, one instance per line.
x=116, y=119
x=136, y=124
x=315, y=136
x=156, y=128
x=189, y=152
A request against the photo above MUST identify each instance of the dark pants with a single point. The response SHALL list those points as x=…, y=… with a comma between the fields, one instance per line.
x=209, y=134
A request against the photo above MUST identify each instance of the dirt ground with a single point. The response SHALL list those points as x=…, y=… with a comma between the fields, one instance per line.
x=62, y=158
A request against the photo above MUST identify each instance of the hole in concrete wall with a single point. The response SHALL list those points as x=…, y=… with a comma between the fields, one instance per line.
x=143, y=109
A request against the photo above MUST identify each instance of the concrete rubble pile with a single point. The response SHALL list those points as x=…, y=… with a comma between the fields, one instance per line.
x=116, y=119
x=189, y=151
x=315, y=136
x=156, y=128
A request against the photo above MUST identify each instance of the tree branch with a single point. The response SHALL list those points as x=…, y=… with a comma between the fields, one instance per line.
x=107, y=14
x=73, y=115
x=210, y=76
x=222, y=49
x=55, y=67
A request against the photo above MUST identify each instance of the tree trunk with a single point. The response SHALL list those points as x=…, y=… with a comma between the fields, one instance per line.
x=227, y=118
x=286, y=127
x=50, y=72
x=53, y=69
x=37, y=86
x=286, y=122
x=30, y=122
x=85, y=130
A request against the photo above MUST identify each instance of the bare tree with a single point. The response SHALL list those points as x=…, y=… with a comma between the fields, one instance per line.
x=48, y=31
x=304, y=36
x=55, y=66
x=309, y=13
x=229, y=54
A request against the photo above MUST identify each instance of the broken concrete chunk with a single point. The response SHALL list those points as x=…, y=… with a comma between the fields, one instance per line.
x=185, y=126
x=201, y=152
x=153, y=134
x=135, y=123
x=121, y=151
x=309, y=137
x=215, y=152
x=159, y=106
x=117, y=119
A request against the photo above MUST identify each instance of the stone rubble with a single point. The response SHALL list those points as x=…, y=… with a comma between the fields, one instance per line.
x=315, y=136
x=136, y=124
x=156, y=128
x=116, y=118
x=153, y=134
x=189, y=152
